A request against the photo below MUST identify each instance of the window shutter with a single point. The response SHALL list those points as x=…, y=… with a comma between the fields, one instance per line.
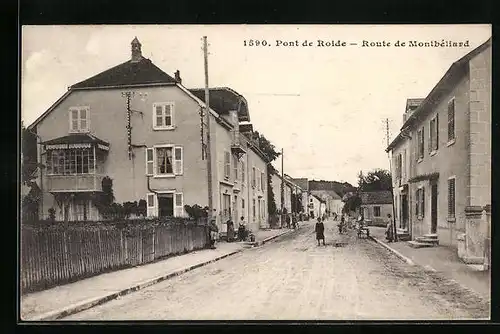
x=178, y=160
x=431, y=130
x=436, y=144
x=235, y=167
x=149, y=161
x=242, y=171
x=417, y=201
x=423, y=142
x=151, y=205
x=227, y=164
x=423, y=202
x=451, y=119
x=179, y=205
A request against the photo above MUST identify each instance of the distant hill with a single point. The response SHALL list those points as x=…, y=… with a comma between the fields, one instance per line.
x=341, y=188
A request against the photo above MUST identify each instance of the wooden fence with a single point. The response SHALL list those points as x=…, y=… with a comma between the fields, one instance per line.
x=58, y=256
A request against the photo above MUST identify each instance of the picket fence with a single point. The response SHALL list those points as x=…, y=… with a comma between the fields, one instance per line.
x=54, y=257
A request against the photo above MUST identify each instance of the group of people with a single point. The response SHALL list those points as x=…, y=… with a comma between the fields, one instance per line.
x=242, y=233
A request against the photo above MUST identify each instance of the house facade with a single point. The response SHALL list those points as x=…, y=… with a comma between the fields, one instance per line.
x=449, y=139
x=375, y=206
x=140, y=127
x=316, y=206
x=333, y=202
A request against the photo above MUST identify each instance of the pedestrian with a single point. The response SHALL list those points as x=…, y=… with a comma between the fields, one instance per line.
x=320, y=231
x=214, y=231
x=241, y=229
x=389, y=233
x=230, y=230
x=288, y=221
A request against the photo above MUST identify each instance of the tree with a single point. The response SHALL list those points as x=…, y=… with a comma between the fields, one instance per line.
x=270, y=152
x=375, y=180
x=29, y=162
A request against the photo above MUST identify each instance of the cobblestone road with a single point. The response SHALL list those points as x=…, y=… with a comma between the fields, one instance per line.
x=294, y=279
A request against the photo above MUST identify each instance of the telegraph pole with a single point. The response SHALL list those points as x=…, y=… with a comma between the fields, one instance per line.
x=207, y=115
x=392, y=187
x=282, y=188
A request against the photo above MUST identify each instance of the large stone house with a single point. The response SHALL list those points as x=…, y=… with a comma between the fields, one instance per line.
x=445, y=176
x=142, y=128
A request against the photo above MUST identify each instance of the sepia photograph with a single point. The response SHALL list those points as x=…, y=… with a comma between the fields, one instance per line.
x=255, y=172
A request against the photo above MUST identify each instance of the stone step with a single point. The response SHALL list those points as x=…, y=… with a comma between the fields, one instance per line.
x=416, y=244
x=427, y=240
x=431, y=236
x=404, y=237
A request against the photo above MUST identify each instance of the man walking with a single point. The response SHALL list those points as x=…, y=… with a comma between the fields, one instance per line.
x=320, y=231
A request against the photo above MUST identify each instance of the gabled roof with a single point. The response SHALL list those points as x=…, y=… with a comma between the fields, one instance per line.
x=413, y=102
x=223, y=100
x=129, y=73
x=376, y=197
x=327, y=193
x=444, y=84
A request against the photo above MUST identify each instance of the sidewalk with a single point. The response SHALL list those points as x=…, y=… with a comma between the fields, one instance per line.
x=61, y=301
x=441, y=259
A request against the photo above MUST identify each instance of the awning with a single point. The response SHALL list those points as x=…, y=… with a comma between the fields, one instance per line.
x=76, y=141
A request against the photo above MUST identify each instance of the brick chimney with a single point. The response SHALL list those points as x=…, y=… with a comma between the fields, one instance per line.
x=178, y=76
x=136, y=50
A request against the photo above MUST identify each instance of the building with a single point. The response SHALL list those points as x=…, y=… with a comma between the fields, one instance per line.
x=448, y=143
x=316, y=207
x=375, y=206
x=142, y=128
x=333, y=202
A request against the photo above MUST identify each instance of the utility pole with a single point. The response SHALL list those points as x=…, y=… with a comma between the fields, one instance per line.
x=207, y=115
x=392, y=187
x=282, y=189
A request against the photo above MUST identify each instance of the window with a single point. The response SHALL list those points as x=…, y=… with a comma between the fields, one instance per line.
x=179, y=205
x=79, y=119
x=399, y=166
x=151, y=201
x=376, y=211
x=243, y=203
x=70, y=162
x=451, y=197
x=163, y=116
x=434, y=134
x=420, y=150
x=253, y=177
x=420, y=202
x=258, y=180
x=164, y=160
x=404, y=164
x=451, y=119
x=227, y=164
x=262, y=181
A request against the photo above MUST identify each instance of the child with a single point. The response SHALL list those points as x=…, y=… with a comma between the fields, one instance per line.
x=320, y=229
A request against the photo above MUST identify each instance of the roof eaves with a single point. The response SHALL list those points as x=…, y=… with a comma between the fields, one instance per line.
x=446, y=77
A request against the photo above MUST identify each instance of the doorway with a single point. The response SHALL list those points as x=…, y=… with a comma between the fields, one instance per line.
x=404, y=212
x=434, y=201
x=165, y=205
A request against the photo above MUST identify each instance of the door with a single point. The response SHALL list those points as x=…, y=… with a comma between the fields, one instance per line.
x=404, y=213
x=166, y=205
x=434, y=201
x=235, y=211
x=226, y=207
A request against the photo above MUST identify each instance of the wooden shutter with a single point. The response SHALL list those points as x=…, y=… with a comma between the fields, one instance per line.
x=178, y=160
x=451, y=119
x=149, y=161
x=179, y=205
x=431, y=130
x=227, y=164
x=423, y=202
x=436, y=144
x=451, y=198
x=417, y=201
x=243, y=171
x=235, y=167
x=151, y=205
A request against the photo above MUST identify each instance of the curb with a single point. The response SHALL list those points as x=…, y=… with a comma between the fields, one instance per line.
x=260, y=243
x=89, y=303
x=395, y=252
x=428, y=269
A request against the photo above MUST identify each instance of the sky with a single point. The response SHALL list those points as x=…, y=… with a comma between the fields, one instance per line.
x=325, y=106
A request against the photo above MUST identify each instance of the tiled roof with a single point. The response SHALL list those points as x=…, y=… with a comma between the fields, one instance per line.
x=223, y=100
x=330, y=193
x=415, y=102
x=376, y=197
x=128, y=73
x=443, y=85
x=76, y=138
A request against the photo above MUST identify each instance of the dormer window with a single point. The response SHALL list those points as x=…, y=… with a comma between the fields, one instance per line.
x=163, y=116
x=79, y=119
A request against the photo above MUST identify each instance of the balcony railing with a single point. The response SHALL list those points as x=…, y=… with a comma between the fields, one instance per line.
x=70, y=183
x=238, y=143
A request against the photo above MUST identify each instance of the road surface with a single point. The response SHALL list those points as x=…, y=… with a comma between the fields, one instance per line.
x=294, y=279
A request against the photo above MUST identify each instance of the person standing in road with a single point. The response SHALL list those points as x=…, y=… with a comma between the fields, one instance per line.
x=214, y=231
x=389, y=233
x=320, y=231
